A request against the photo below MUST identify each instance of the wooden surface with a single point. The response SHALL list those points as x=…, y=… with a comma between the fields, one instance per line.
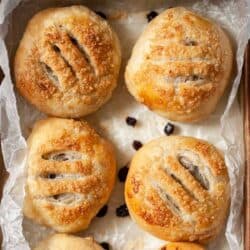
x=3, y=173
x=246, y=91
x=3, y=178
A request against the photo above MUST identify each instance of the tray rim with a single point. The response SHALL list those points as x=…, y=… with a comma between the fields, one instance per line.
x=246, y=108
x=245, y=96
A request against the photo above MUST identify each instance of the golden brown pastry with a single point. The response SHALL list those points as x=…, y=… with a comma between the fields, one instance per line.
x=180, y=66
x=67, y=242
x=71, y=172
x=68, y=61
x=182, y=246
x=178, y=189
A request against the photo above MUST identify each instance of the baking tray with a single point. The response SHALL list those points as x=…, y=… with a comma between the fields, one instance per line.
x=246, y=103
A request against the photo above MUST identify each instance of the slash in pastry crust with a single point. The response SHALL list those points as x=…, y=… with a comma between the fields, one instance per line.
x=70, y=174
x=67, y=242
x=180, y=66
x=178, y=189
x=68, y=61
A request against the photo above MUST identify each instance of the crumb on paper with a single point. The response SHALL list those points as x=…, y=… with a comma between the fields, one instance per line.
x=118, y=14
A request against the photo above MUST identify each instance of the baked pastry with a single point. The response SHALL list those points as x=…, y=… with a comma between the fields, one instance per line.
x=180, y=66
x=68, y=61
x=70, y=174
x=67, y=242
x=182, y=246
x=178, y=189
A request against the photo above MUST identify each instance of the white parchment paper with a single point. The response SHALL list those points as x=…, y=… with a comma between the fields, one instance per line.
x=223, y=128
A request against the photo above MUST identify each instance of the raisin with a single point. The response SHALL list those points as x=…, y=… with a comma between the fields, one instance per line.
x=51, y=176
x=151, y=15
x=190, y=43
x=101, y=14
x=60, y=157
x=122, y=174
x=102, y=212
x=56, y=196
x=105, y=245
x=131, y=121
x=137, y=145
x=169, y=128
x=56, y=49
x=73, y=40
x=122, y=211
x=195, y=77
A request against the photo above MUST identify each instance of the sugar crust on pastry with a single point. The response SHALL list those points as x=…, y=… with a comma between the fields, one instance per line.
x=180, y=65
x=178, y=189
x=67, y=62
x=67, y=242
x=70, y=174
x=182, y=246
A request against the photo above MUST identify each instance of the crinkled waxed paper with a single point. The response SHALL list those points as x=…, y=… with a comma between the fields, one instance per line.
x=223, y=128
